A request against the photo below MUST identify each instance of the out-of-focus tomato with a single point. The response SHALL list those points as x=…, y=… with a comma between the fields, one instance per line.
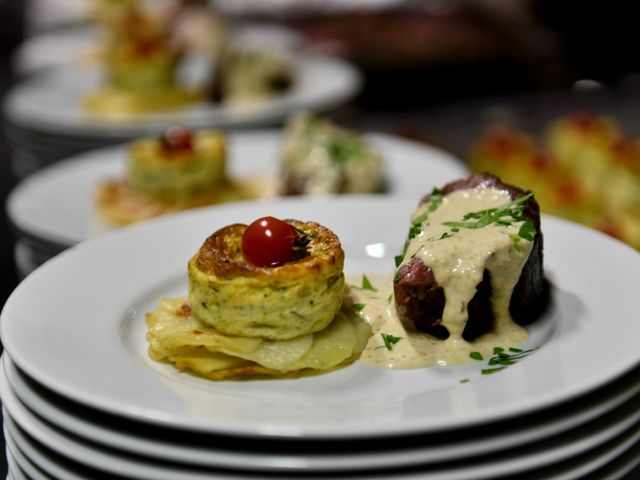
x=176, y=138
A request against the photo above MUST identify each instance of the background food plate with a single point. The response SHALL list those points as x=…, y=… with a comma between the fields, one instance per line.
x=80, y=44
x=57, y=203
x=51, y=100
x=76, y=326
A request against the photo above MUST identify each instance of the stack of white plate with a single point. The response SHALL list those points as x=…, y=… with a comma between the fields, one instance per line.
x=54, y=208
x=45, y=121
x=83, y=400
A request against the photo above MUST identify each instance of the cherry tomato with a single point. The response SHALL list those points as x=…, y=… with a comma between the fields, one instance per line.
x=268, y=242
x=176, y=138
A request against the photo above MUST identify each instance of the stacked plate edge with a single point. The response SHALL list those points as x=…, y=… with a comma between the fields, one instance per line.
x=556, y=414
x=45, y=121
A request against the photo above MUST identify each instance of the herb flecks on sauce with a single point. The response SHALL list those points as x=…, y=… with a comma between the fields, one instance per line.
x=366, y=285
x=505, y=216
x=502, y=358
x=435, y=199
x=389, y=340
x=476, y=356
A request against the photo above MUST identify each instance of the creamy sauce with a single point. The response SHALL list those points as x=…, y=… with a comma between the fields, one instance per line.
x=458, y=263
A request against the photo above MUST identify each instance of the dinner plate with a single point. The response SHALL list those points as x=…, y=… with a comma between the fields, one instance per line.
x=57, y=203
x=80, y=44
x=76, y=326
x=14, y=471
x=51, y=100
x=616, y=427
x=25, y=262
x=71, y=45
x=266, y=456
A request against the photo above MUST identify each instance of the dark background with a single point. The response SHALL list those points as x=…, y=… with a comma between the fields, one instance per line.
x=440, y=101
x=11, y=33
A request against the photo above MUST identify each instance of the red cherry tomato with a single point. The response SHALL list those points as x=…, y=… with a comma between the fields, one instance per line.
x=176, y=138
x=268, y=242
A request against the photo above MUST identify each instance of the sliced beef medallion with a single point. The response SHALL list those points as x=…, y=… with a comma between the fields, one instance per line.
x=475, y=243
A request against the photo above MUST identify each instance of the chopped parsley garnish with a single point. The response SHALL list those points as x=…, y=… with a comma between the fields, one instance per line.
x=502, y=358
x=366, y=285
x=389, y=340
x=435, y=199
x=358, y=306
x=513, y=210
x=503, y=216
x=300, y=244
x=516, y=242
x=476, y=355
x=416, y=225
x=527, y=230
x=345, y=148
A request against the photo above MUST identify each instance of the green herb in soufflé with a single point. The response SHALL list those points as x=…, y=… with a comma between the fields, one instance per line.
x=300, y=244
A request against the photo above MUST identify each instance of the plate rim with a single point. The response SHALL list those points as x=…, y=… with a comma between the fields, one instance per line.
x=596, y=439
x=608, y=372
x=93, y=159
x=404, y=457
x=270, y=111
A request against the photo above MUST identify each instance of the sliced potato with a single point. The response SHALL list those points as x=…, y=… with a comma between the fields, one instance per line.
x=177, y=337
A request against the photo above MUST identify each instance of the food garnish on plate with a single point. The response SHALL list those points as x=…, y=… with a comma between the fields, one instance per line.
x=270, y=298
x=140, y=61
x=320, y=157
x=470, y=275
x=181, y=169
x=250, y=74
x=265, y=299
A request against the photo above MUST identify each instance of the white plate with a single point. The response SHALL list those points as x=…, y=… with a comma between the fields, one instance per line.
x=15, y=470
x=33, y=461
x=619, y=426
x=129, y=437
x=76, y=326
x=80, y=44
x=57, y=203
x=70, y=45
x=51, y=100
x=24, y=261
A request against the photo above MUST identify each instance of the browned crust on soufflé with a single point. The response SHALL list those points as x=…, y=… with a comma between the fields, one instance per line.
x=283, y=302
x=221, y=254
